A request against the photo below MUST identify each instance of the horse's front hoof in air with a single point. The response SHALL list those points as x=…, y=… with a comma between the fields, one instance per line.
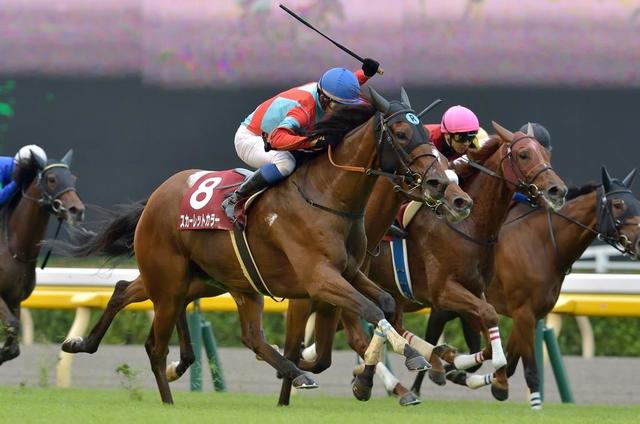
x=499, y=392
x=457, y=376
x=303, y=381
x=361, y=387
x=414, y=361
x=72, y=344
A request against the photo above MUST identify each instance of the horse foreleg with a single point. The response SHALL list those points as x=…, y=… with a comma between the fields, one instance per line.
x=522, y=343
x=455, y=297
x=250, y=309
x=176, y=369
x=124, y=293
x=9, y=317
x=297, y=314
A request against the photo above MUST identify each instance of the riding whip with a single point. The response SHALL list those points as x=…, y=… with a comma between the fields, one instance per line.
x=338, y=45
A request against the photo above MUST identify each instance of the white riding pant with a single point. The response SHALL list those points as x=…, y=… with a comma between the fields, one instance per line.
x=250, y=149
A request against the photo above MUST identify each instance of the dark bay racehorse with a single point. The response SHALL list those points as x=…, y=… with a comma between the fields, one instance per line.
x=451, y=265
x=49, y=189
x=310, y=249
x=533, y=258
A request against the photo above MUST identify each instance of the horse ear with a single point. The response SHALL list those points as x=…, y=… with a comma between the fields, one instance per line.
x=628, y=180
x=380, y=103
x=606, y=179
x=66, y=159
x=504, y=133
x=530, y=130
x=404, y=97
x=38, y=161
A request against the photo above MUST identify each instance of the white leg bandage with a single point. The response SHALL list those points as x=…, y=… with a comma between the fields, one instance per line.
x=536, y=401
x=463, y=362
x=397, y=342
x=475, y=381
x=310, y=354
x=423, y=347
x=374, y=352
x=497, y=354
x=388, y=379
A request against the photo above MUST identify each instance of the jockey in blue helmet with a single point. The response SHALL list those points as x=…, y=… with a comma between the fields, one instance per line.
x=267, y=136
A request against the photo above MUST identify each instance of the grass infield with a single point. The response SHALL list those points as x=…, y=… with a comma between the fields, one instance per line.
x=49, y=405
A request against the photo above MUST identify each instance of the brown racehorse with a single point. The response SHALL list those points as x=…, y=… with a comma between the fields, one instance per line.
x=532, y=260
x=313, y=247
x=49, y=189
x=452, y=265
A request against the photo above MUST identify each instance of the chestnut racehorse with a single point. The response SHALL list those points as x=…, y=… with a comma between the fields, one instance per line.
x=533, y=258
x=451, y=265
x=312, y=247
x=49, y=189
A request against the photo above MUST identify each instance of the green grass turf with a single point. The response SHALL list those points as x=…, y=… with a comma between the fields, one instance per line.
x=48, y=405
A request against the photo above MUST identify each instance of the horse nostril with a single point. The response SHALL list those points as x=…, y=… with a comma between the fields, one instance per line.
x=461, y=203
x=557, y=192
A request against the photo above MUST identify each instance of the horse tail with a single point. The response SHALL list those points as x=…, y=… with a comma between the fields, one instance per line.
x=114, y=238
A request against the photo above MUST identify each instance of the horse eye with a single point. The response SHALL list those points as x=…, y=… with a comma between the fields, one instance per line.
x=401, y=135
x=523, y=155
x=618, y=204
x=51, y=180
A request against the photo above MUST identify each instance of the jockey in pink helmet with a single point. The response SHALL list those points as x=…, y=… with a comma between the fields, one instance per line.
x=456, y=133
x=267, y=136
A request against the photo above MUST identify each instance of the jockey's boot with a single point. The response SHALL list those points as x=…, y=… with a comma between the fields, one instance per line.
x=232, y=205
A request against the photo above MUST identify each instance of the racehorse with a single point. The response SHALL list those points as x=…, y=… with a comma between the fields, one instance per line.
x=534, y=254
x=49, y=189
x=312, y=246
x=451, y=265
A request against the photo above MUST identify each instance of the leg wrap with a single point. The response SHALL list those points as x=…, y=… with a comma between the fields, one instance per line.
x=309, y=353
x=536, y=401
x=463, y=362
x=423, y=347
x=475, y=381
x=388, y=379
x=497, y=354
x=396, y=341
x=374, y=351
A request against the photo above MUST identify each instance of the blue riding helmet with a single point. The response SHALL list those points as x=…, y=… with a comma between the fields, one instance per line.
x=340, y=85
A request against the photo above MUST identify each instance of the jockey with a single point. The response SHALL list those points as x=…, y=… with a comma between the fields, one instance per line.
x=458, y=131
x=543, y=137
x=268, y=135
x=12, y=169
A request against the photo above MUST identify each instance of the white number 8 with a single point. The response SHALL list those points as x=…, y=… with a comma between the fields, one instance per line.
x=206, y=187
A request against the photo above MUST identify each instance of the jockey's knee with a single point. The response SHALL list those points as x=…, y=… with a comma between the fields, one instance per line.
x=285, y=165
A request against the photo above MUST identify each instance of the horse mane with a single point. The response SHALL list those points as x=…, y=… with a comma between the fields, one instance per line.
x=576, y=191
x=341, y=120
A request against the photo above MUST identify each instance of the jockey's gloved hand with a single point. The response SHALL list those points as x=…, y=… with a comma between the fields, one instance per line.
x=326, y=140
x=370, y=66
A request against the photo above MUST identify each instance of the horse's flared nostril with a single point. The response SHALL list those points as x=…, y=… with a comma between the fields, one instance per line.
x=461, y=203
x=76, y=212
x=557, y=192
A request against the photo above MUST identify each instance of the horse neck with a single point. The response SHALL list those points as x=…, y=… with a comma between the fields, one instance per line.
x=27, y=224
x=572, y=240
x=382, y=208
x=491, y=197
x=339, y=188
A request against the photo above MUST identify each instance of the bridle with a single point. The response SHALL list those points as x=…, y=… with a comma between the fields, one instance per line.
x=51, y=201
x=397, y=168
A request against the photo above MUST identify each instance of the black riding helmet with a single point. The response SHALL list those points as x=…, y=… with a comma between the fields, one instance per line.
x=540, y=133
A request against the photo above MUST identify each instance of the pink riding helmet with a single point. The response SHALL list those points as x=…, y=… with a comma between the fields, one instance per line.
x=459, y=119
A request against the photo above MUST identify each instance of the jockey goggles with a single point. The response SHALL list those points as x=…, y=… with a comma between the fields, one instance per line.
x=468, y=138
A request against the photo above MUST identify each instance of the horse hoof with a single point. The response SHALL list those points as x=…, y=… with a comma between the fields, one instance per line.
x=500, y=393
x=445, y=352
x=360, y=389
x=437, y=377
x=72, y=344
x=417, y=363
x=409, y=399
x=303, y=381
x=457, y=377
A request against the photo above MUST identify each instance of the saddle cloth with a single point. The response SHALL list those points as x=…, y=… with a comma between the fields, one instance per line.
x=201, y=205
